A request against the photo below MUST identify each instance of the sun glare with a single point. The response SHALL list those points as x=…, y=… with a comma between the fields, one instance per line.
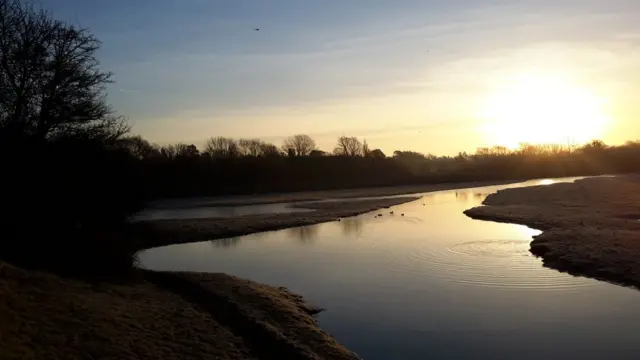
x=543, y=109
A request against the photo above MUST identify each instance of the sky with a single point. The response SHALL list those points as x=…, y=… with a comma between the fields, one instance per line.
x=431, y=76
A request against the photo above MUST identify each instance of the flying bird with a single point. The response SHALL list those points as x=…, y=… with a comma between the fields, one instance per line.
x=256, y=29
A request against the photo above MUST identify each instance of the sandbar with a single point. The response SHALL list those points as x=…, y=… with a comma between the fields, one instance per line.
x=591, y=227
x=154, y=233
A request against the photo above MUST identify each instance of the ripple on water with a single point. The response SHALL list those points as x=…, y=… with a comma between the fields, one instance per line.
x=502, y=264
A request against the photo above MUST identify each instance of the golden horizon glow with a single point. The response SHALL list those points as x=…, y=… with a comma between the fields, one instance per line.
x=542, y=108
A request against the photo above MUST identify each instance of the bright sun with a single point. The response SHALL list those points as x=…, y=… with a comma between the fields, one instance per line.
x=543, y=109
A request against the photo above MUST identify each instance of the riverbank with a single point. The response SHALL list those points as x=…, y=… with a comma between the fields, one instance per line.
x=159, y=316
x=306, y=196
x=590, y=227
x=171, y=315
x=148, y=234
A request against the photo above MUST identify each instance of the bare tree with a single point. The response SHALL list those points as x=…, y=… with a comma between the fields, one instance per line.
x=299, y=145
x=169, y=151
x=137, y=146
x=188, y=151
x=269, y=150
x=595, y=146
x=348, y=146
x=50, y=81
x=250, y=147
x=222, y=147
x=366, y=152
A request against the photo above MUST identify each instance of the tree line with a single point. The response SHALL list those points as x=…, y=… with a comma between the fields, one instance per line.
x=228, y=166
x=225, y=147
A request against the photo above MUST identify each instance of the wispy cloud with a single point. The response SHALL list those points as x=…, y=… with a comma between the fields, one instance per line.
x=191, y=70
x=128, y=90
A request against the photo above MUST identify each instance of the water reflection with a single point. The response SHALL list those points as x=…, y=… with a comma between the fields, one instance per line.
x=232, y=242
x=304, y=234
x=352, y=227
x=226, y=243
x=471, y=196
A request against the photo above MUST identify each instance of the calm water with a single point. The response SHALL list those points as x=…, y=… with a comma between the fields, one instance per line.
x=432, y=284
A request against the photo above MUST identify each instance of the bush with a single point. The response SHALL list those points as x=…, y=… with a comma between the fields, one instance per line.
x=66, y=204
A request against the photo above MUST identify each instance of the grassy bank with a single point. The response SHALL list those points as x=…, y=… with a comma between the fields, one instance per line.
x=160, y=316
x=590, y=226
x=156, y=233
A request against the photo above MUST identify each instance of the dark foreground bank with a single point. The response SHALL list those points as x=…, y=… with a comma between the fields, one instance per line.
x=165, y=315
x=159, y=316
x=591, y=227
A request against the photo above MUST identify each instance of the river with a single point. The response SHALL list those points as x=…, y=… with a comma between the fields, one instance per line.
x=430, y=284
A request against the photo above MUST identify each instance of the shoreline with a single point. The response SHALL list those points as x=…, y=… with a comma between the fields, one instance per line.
x=156, y=233
x=174, y=315
x=309, y=196
x=589, y=227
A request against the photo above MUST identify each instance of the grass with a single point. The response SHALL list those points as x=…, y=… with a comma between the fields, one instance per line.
x=163, y=316
x=591, y=226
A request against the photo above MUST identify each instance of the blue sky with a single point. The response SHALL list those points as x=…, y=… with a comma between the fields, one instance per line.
x=402, y=72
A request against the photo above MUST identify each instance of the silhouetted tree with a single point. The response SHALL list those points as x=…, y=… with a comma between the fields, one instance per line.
x=462, y=156
x=50, y=81
x=57, y=129
x=269, y=150
x=250, y=147
x=317, y=153
x=137, y=146
x=377, y=154
x=594, y=146
x=349, y=146
x=187, y=151
x=366, y=152
x=222, y=147
x=300, y=145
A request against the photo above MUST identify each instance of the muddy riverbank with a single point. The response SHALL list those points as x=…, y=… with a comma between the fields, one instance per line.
x=590, y=227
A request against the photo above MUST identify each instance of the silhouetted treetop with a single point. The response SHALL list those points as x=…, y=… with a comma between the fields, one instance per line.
x=50, y=81
x=299, y=145
x=349, y=146
x=250, y=147
x=269, y=150
x=377, y=154
x=222, y=147
x=137, y=146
